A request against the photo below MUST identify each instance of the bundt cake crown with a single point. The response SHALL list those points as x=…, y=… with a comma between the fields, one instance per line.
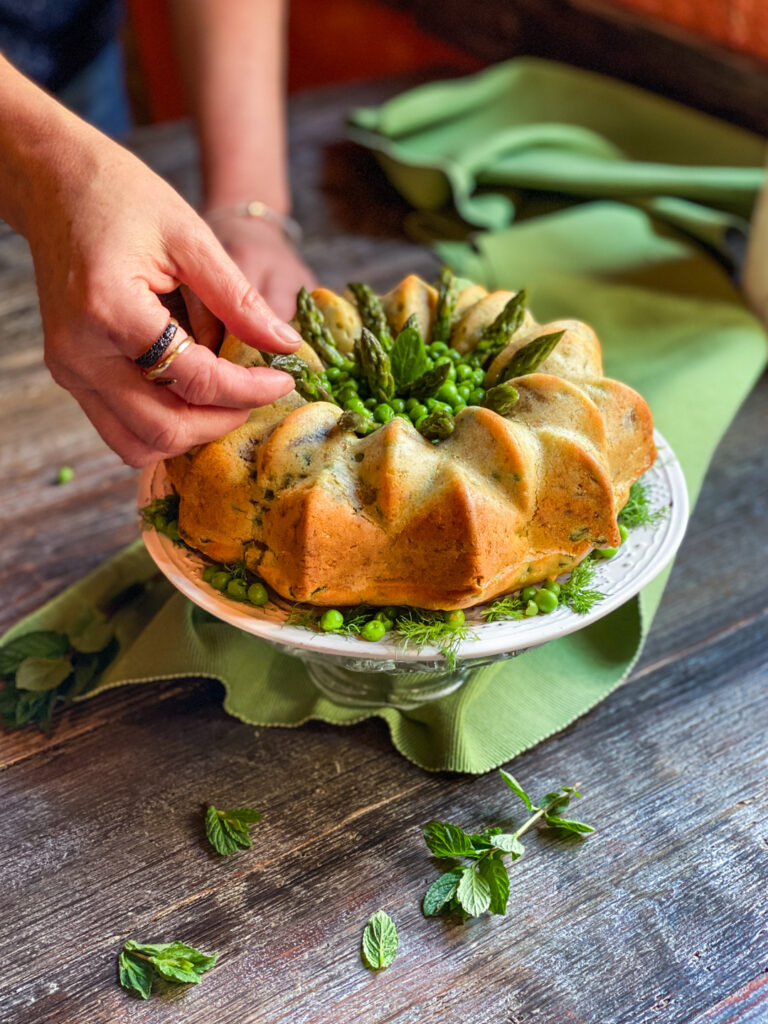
x=393, y=476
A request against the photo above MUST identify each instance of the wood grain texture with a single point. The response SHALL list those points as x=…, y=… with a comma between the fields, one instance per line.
x=660, y=917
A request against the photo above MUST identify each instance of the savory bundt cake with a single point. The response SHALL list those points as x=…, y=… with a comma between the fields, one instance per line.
x=441, y=449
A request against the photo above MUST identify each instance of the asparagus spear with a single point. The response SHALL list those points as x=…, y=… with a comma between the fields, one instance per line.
x=447, y=294
x=530, y=356
x=313, y=329
x=438, y=425
x=497, y=334
x=353, y=421
x=307, y=383
x=429, y=383
x=374, y=362
x=371, y=312
x=501, y=399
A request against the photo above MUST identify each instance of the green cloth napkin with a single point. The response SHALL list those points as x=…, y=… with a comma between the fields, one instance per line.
x=672, y=324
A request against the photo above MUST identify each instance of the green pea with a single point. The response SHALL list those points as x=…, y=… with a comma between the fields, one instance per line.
x=418, y=422
x=431, y=404
x=355, y=405
x=238, y=589
x=531, y=609
x=349, y=365
x=464, y=390
x=478, y=375
x=454, y=618
x=623, y=532
x=390, y=612
x=606, y=552
x=371, y=403
x=417, y=411
x=331, y=620
x=430, y=364
x=373, y=630
x=381, y=616
x=220, y=579
x=451, y=367
x=529, y=593
x=398, y=404
x=438, y=348
x=464, y=372
x=209, y=572
x=476, y=396
x=459, y=405
x=65, y=474
x=447, y=393
x=411, y=403
x=455, y=355
x=546, y=601
x=160, y=522
x=258, y=594
x=172, y=530
x=333, y=372
x=552, y=585
x=383, y=413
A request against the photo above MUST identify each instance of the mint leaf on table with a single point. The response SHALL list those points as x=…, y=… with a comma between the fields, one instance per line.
x=42, y=674
x=229, y=831
x=380, y=941
x=515, y=786
x=408, y=356
x=473, y=892
x=40, y=644
x=446, y=840
x=484, y=884
x=140, y=963
x=441, y=892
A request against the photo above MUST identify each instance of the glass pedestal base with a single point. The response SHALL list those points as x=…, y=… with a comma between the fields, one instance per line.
x=367, y=684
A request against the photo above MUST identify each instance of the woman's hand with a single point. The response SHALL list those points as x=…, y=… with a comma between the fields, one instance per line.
x=267, y=259
x=108, y=236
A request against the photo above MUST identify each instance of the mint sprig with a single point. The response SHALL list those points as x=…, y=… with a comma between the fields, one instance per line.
x=229, y=831
x=483, y=885
x=139, y=964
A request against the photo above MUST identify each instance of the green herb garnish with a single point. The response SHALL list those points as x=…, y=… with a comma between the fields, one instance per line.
x=577, y=592
x=422, y=628
x=380, y=941
x=139, y=964
x=483, y=885
x=511, y=606
x=408, y=356
x=228, y=831
x=637, y=511
x=168, y=507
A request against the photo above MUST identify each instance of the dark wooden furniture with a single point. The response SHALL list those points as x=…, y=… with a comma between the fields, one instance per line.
x=660, y=917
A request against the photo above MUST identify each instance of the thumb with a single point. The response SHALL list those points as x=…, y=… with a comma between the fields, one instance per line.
x=203, y=265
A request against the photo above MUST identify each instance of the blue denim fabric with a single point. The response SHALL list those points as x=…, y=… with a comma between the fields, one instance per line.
x=98, y=93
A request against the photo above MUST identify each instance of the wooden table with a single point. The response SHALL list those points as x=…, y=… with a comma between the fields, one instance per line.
x=660, y=917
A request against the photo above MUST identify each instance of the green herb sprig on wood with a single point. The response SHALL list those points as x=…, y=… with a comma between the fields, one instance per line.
x=229, y=831
x=483, y=885
x=140, y=964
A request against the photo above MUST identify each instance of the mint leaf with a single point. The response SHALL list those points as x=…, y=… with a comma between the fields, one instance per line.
x=408, y=356
x=379, y=941
x=139, y=963
x=567, y=824
x=42, y=674
x=493, y=871
x=446, y=840
x=509, y=843
x=179, y=962
x=473, y=892
x=227, y=831
x=440, y=893
x=516, y=788
x=40, y=644
x=136, y=975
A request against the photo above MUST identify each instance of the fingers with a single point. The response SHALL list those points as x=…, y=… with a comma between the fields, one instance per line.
x=161, y=421
x=131, y=449
x=206, y=328
x=202, y=379
x=203, y=264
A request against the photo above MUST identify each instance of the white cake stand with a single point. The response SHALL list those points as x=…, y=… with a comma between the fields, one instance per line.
x=354, y=672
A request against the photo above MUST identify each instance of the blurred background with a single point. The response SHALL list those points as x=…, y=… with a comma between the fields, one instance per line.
x=712, y=54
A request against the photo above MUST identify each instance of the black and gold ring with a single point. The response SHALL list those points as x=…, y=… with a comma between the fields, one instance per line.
x=158, y=348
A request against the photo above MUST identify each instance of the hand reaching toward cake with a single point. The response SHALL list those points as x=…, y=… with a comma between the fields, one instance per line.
x=108, y=237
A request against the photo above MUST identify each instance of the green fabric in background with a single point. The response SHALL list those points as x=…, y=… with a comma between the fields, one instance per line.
x=671, y=322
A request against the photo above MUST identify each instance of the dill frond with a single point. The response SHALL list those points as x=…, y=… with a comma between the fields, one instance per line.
x=637, y=511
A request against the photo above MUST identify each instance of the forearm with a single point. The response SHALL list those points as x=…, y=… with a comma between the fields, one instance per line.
x=232, y=57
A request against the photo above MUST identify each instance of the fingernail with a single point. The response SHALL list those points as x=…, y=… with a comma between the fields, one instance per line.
x=284, y=332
